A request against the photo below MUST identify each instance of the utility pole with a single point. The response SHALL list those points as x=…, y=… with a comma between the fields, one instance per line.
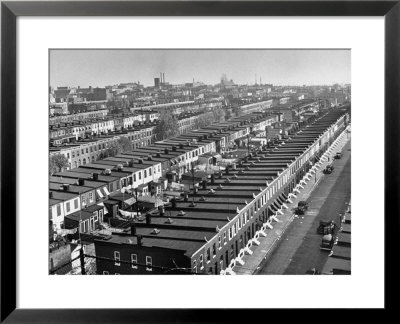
x=266, y=136
x=248, y=144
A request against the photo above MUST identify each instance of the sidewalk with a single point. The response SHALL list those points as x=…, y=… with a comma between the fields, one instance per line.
x=254, y=262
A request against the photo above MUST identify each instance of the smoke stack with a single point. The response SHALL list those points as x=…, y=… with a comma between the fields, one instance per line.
x=163, y=76
x=161, y=80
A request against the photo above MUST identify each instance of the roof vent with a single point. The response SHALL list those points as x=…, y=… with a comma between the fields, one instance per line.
x=169, y=221
x=181, y=213
x=155, y=231
x=107, y=171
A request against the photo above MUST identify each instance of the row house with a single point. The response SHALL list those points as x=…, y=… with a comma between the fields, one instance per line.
x=59, y=135
x=87, y=195
x=85, y=221
x=274, y=192
x=88, y=150
x=82, y=116
x=209, y=232
x=101, y=188
x=112, y=182
x=60, y=205
x=138, y=171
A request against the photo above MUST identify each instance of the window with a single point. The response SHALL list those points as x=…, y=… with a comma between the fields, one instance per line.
x=140, y=175
x=145, y=173
x=224, y=238
x=83, y=200
x=68, y=206
x=150, y=172
x=117, y=258
x=91, y=196
x=105, y=273
x=134, y=261
x=58, y=210
x=208, y=256
x=219, y=242
x=230, y=233
x=201, y=262
x=149, y=263
x=214, y=250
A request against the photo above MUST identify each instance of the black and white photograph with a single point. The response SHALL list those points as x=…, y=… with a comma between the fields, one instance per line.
x=199, y=161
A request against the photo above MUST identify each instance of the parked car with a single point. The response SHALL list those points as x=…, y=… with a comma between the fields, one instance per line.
x=302, y=206
x=327, y=242
x=326, y=227
x=328, y=169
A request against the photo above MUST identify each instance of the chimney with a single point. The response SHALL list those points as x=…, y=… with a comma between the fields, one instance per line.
x=133, y=229
x=95, y=176
x=173, y=203
x=139, y=240
x=50, y=194
x=174, y=148
x=166, y=151
x=148, y=218
x=180, y=145
x=65, y=187
x=81, y=182
x=140, y=161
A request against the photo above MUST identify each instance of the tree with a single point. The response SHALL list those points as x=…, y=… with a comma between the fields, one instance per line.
x=121, y=145
x=124, y=144
x=112, y=150
x=219, y=114
x=167, y=127
x=57, y=163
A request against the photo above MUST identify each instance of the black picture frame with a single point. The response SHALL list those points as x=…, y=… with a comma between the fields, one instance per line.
x=9, y=13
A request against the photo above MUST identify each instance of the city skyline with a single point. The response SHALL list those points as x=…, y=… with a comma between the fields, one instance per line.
x=99, y=68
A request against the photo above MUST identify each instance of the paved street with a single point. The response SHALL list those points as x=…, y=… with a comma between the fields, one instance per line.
x=299, y=250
